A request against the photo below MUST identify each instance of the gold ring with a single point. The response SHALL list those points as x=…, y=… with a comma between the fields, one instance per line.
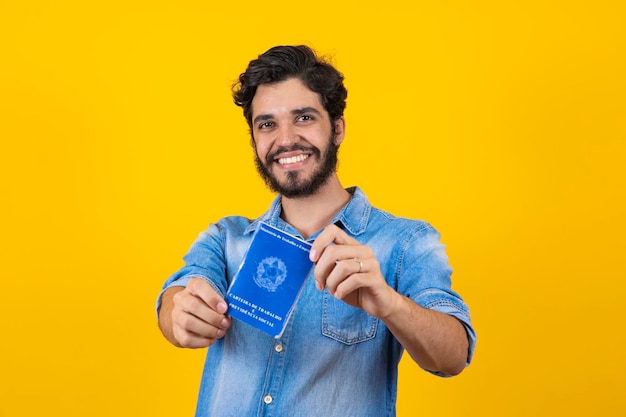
x=360, y=265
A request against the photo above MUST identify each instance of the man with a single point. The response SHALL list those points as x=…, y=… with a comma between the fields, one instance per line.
x=380, y=284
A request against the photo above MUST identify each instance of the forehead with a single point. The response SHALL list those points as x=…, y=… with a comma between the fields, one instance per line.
x=283, y=97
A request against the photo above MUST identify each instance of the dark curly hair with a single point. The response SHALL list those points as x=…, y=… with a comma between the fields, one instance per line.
x=283, y=62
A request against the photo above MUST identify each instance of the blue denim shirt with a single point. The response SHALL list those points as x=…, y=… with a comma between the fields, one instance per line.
x=332, y=359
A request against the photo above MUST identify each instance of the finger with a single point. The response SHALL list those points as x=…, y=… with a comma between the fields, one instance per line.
x=200, y=288
x=186, y=303
x=192, y=340
x=345, y=270
x=189, y=323
x=333, y=255
x=331, y=234
x=194, y=324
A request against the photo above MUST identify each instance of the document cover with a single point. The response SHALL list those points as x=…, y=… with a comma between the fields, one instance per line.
x=265, y=289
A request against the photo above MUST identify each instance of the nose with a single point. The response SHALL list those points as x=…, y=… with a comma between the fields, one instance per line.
x=286, y=135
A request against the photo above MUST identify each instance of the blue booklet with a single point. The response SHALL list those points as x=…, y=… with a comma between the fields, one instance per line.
x=266, y=287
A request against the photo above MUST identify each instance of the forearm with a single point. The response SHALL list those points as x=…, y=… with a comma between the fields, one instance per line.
x=165, y=314
x=436, y=341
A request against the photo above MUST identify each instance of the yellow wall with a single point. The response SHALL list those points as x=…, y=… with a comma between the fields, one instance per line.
x=503, y=125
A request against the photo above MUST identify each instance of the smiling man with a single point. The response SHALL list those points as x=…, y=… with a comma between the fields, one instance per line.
x=381, y=284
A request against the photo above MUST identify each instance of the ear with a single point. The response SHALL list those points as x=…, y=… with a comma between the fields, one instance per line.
x=340, y=130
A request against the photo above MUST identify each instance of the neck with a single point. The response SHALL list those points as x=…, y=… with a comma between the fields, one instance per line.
x=312, y=213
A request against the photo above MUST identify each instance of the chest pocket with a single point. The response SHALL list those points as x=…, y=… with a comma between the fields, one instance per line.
x=344, y=323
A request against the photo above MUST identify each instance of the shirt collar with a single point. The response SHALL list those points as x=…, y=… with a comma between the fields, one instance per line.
x=353, y=217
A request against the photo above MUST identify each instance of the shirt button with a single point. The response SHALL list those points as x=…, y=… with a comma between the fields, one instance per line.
x=267, y=399
x=279, y=347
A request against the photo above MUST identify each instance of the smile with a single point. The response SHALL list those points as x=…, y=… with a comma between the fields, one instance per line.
x=293, y=159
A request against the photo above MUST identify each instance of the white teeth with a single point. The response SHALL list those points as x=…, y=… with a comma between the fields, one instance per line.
x=293, y=159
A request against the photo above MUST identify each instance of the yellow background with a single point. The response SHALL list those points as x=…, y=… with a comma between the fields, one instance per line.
x=504, y=125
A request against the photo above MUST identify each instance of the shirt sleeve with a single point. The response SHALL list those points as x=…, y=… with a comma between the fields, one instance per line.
x=425, y=277
x=205, y=259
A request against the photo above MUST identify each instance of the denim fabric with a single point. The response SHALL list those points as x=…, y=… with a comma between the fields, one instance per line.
x=333, y=359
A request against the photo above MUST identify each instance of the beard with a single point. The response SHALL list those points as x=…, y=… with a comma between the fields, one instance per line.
x=296, y=185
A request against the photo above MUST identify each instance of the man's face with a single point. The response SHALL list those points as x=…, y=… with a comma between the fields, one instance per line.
x=295, y=142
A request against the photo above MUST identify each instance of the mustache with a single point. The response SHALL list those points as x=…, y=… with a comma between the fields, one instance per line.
x=272, y=156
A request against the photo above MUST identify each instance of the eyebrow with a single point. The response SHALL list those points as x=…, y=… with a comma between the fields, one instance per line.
x=295, y=112
x=303, y=110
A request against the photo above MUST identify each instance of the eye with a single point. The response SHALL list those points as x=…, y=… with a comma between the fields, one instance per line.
x=265, y=125
x=304, y=118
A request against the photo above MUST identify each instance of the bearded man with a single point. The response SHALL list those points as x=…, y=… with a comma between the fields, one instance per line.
x=380, y=285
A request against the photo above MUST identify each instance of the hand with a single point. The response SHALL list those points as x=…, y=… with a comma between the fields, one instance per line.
x=199, y=315
x=351, y=272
